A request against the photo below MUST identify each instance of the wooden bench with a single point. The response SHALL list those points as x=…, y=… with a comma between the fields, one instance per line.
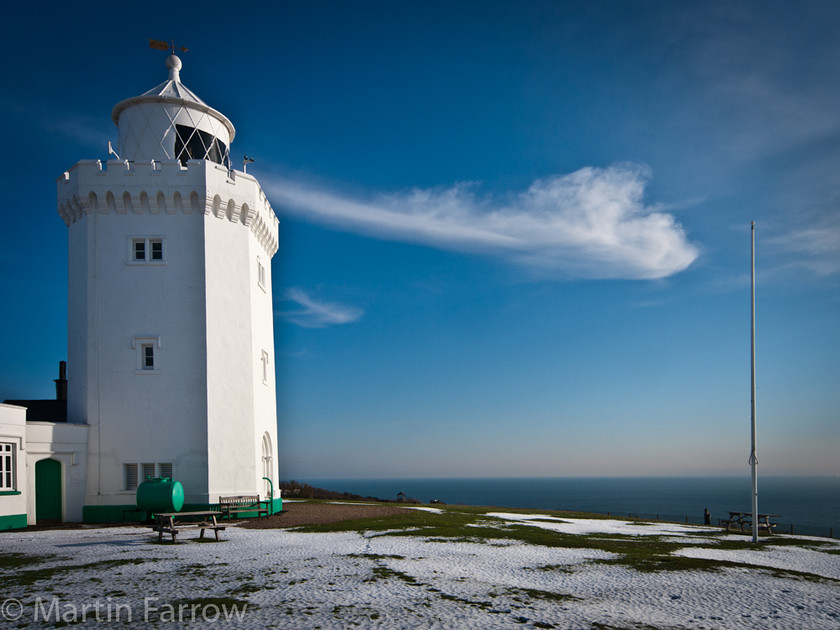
x=244, y=503
x=744, y=519
x=174, y=522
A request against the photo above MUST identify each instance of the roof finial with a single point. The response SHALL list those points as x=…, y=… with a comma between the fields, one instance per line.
x=172, y=62
x=174, y=65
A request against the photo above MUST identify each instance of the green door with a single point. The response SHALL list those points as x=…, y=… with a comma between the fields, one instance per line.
x=47, y=490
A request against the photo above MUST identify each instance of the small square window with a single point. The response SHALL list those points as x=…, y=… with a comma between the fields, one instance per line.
x=144, y=250
x=146, y=352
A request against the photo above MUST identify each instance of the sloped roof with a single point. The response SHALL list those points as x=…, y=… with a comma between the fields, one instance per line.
x=42, y=410
x=172, y=91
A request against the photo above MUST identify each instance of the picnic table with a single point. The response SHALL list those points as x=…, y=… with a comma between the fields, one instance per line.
x=174, y=522
x=744, y=519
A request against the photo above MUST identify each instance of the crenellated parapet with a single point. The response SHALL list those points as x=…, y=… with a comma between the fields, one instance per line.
x=167, y=187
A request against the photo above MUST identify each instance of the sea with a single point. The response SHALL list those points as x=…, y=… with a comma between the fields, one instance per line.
x=804, y=505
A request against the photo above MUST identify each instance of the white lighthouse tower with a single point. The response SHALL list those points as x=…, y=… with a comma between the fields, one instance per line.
x=170, y=331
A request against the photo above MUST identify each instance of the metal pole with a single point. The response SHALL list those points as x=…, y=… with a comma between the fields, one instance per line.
x=270, y=497
x=753, y=456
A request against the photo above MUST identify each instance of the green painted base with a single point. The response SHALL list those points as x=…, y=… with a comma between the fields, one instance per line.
x=13, y=521
x=112, y=514
x=130, y=513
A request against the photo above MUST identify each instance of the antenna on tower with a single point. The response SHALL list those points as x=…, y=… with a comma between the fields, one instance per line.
x=111, y=151
x=159, y=45
x=245, y=162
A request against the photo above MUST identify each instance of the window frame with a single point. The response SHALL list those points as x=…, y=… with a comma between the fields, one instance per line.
x=192, y=143
x=146, y=472
x=166, y=469
x=138, y=250
x=152, y=248
x=261, y=275
x=146, y=348
x=268, y=462
x=265, y=359
x=127, y=467
x=8, y=467
x=155, y=250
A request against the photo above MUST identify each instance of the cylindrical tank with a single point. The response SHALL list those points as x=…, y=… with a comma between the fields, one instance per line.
x=160, y=495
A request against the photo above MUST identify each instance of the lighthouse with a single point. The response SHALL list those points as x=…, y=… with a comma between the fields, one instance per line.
x=170, y=357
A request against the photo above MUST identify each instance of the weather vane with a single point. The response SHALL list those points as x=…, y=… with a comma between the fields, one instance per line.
x=159, y=45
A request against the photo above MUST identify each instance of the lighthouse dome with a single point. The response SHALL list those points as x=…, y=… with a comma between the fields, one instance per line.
x=170, y=122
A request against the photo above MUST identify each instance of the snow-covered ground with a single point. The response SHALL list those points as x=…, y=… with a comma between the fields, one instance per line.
x=288, y=579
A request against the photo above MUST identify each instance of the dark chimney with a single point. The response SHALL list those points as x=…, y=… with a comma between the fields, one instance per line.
x=61, y=381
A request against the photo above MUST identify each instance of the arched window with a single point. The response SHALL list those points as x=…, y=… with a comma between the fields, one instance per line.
x=268, y=462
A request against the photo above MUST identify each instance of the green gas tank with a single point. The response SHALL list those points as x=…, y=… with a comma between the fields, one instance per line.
x=160, y=495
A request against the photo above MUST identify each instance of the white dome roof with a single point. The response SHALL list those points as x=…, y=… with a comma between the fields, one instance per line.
x=148, y=122
x=172, y=91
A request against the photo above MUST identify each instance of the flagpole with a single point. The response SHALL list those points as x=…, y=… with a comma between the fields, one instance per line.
x=753, y=456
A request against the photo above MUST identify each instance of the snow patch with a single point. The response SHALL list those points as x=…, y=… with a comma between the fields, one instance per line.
x=301, y=580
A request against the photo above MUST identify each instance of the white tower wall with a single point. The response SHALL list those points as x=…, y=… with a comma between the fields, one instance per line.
x=197, y=307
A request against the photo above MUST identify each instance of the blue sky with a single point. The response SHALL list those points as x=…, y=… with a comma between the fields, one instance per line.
x=514, y=236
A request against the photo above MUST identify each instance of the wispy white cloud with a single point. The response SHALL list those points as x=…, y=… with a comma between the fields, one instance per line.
x=84, y=130
x=815, y=247
x=592, y=223
x=88, y=131
x=756, y=97
x=314, y=314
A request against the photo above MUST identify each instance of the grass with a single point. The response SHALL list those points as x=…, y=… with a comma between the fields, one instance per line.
x=562, y=568
x=381, y=572
x=643, y=553
x=461, y=600
x=11, y=561
x=543, y=595
x=471, y=524
x=375, y=556
x=247, y=587
x=455, y=524
x=28, y=577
